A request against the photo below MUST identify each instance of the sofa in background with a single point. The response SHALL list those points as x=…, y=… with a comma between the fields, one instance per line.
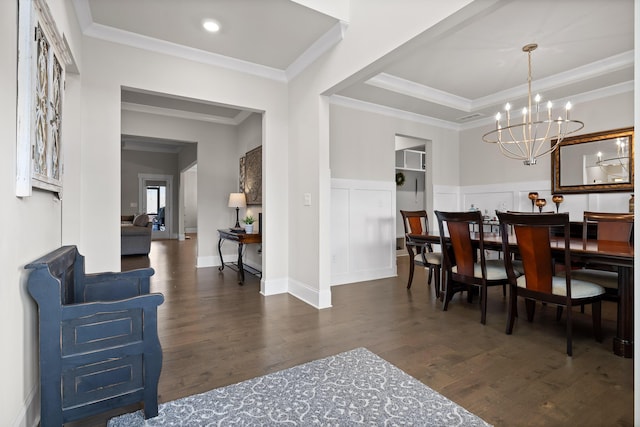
x=135, y=234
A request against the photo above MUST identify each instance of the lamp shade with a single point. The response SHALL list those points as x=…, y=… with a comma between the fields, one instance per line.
x=237, y=200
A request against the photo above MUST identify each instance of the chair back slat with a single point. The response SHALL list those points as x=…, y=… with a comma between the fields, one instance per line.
x=535, y=251
x=415, y=222
x=614, y=231
x=415, y=225
x=462, y=247
x=611, y=227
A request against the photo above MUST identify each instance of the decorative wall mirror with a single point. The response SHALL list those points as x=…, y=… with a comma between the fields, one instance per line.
x=594, y=163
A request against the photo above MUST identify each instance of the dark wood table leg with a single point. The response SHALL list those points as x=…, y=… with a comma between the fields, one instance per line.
x=623, y=341
x=412, y=266
x=220, y=253
x=240, y=266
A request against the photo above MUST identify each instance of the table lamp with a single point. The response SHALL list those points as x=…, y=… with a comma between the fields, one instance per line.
x=237, y=200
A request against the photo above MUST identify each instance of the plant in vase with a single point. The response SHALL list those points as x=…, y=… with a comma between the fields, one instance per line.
x=248, y=223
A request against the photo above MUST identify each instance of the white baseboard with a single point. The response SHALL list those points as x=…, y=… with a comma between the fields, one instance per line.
x=208, y=261
x=361, y=276
x=274, y=286
x=297, y=289
x=313, y=297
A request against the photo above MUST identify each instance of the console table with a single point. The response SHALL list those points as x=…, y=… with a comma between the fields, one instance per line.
x=241, y=238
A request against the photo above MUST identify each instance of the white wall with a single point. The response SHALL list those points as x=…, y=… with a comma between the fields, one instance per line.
x=33, y=225
x=249, y=136
x=309, y=161
x=190, y=188
x=362, y=149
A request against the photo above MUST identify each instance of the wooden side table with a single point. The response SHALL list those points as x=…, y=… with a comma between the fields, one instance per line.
x=241, y=239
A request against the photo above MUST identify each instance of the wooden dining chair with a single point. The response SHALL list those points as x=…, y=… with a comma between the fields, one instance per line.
x=533, y=240
x=610, y=228
x=417, y=222
x=462, y=268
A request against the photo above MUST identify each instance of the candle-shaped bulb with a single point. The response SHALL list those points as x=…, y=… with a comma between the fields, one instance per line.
x=507, y=107
x=549, y=105
x=498, y=116
x=568, y=106
x=537, y=98
x=524, y=111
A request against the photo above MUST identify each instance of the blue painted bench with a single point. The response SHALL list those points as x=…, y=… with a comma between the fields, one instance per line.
x=99, y=346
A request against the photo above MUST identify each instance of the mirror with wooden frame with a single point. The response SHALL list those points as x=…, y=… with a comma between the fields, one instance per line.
x=594, y=163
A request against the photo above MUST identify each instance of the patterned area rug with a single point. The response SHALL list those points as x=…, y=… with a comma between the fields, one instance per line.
x=352, y=388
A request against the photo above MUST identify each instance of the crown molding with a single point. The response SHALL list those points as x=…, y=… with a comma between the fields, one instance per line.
x=426, y=93
x=317, y=49
x=181, y=114
x=391, y=112
x=404, y=115
x=580, y=98
x=578, y=74
x=152, y=147
x=419, y=91
x=128, y=38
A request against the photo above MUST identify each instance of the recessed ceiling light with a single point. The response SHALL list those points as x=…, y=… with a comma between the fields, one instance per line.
x=211, y=25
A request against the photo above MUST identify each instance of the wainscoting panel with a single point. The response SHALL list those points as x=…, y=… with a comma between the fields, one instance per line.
x=515, y=196
x=362, y=230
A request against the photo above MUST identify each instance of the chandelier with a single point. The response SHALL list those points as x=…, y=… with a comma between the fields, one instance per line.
x=537, y=134
x=620, y=158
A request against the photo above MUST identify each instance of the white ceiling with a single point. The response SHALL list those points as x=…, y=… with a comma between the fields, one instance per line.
x=456, y=74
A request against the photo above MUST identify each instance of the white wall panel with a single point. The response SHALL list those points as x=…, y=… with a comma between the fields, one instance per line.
x=515, y=196
x=363, y=217
x=339, y=231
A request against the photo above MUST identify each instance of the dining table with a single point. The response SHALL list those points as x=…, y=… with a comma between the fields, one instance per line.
x=618, y=255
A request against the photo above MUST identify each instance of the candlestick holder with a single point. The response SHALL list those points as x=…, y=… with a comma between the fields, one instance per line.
x=533, y=196
x=557, y=199
x=541, y=203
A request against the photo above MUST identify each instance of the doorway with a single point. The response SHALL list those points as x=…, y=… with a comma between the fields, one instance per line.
x=413, y=180
x=155, y=198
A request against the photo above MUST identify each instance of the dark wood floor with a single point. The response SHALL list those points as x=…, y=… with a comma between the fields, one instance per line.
x=214, y=333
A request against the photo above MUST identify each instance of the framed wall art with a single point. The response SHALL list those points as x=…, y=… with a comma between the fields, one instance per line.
x=43, y=57
x=251, y=176
x=241, y=184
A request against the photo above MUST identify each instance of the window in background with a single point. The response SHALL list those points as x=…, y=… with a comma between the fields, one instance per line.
x=156, y=202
